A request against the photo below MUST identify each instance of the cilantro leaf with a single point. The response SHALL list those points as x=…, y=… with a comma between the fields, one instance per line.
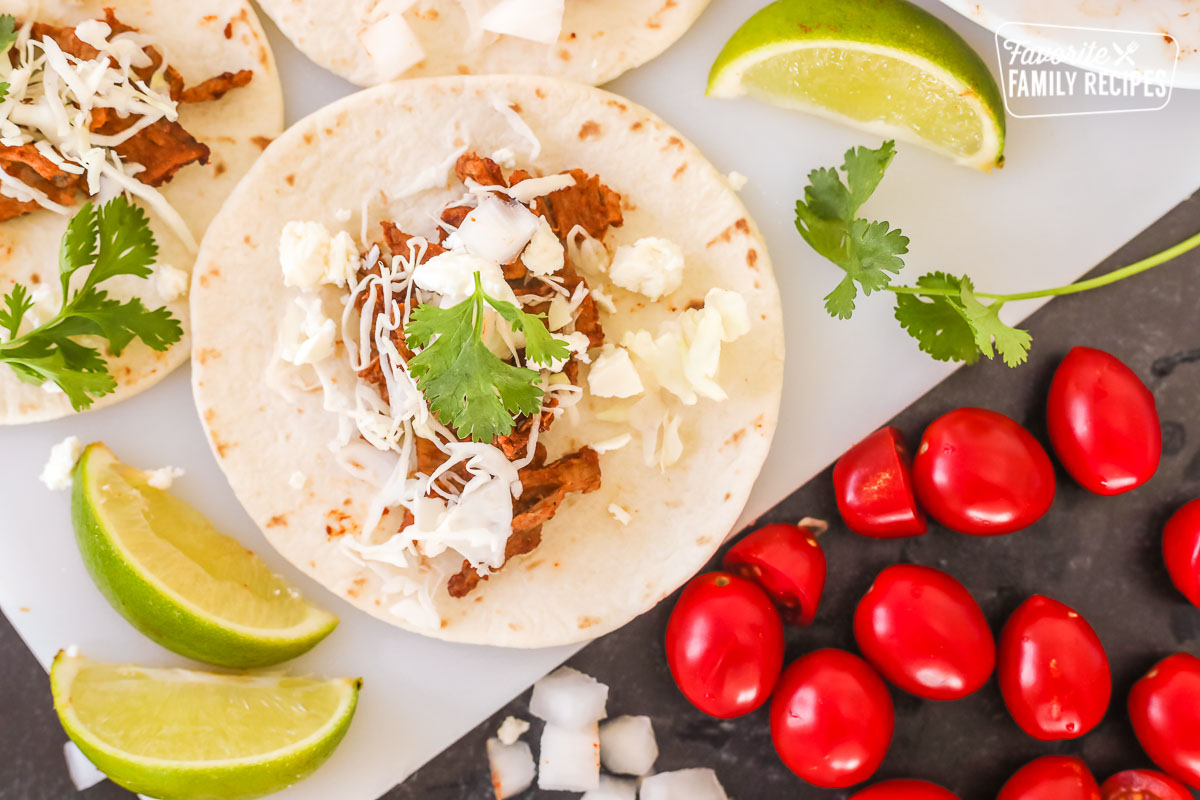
x=113, y=240
x=864, y=170
x=937, y=321
x=468, y=386
x=1012, y=344
x=8, y=32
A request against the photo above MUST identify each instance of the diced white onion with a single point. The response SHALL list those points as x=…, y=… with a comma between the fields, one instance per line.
x=512, y=767
x=511, y=730
x=570, y=759
x=569, y=699
x=84, y=774
x=498, y=231
x=628, y=746
x=611, y=788
x=535, y=20
x=652, y=267
x=685, y=784
x=613, y=374
x=392, y=46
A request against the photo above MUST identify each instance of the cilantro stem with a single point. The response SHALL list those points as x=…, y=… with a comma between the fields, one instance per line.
x=1099, y=281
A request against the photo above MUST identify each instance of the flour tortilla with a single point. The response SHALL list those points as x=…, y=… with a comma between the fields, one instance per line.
x=600, y=38
x=236, y=128
x=591, y=574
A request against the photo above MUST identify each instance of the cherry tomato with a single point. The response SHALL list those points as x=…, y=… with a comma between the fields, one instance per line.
x=1103, y=422
x=1181, y=549
x=1164, y=708
x=1054, y=673
x=981, y=473
x=925, y=633
x=873, y=484
x=788, y=563
x=725, y=645
x=832, y=719
x=1051, y=778
x=1143, y=784
x=905, y=789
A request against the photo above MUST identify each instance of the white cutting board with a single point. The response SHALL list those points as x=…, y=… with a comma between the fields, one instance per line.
x=1073, y=191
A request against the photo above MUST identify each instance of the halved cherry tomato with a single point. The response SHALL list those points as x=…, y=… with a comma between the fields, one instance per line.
x=788, y=563
x=1054, y=673
x=1051, y=778
x=873, y=484
x=1103, y=422
x=925, y=633
x=1164, y=708
x=1143, y=784
x=832, y=719
x=979, y=472
x=1181, y=550
x=905, y=789
x=725, y=645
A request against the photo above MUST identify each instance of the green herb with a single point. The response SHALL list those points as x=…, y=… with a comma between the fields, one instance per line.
x=112, y=240
x=945, y=314
x=468, y=387
x=8, y=37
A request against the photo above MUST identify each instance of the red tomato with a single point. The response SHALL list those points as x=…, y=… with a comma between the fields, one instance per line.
x=981, y=473
x=873, y=484
x=788, y=563
x=1103, y=423
x=725, y=645
x=1054, y=673
x=925, y=633
x=1164, y=708
x=1181, y=549
x=1143, y=784
x=905, y=790
x=832, y=719
x=1051, y=778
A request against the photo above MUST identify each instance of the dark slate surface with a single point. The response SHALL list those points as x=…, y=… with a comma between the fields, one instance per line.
x=1098, y=555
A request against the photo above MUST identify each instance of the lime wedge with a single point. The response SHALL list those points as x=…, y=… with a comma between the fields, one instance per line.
x=188, y=587
x=175, y=734
x=884, y=66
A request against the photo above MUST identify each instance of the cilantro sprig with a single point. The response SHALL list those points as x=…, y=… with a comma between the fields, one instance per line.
x=468, y=387
x=948, y=317
x=112, y=240
x=8, y=37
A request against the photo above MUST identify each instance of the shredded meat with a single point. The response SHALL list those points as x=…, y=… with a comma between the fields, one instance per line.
x=482, y=170
x=544, y=489
x=589, y=204
x=216, y=87
x=163, y=149
x=29, y=166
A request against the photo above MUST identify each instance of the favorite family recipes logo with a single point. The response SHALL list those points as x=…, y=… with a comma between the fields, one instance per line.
x=1061, y=70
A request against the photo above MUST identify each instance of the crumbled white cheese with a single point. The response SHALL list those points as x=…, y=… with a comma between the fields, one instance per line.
x=343, y=214
x=652, y=266
x=392, y=46
x=298, y=480
x=506, y=158
x=452, y=276
x=511, y=730
x=310, y=255
x=577, y=344
x=308, y=335
x=587, y=252
x=613, y=374
x=163, y=477
x=535, y=20
x=615, y=443
x=737, y=181
x=498, y=230
x=63, y=458
x=545, y=254
x=619, y=514
x=170, y=282
x=603, y=300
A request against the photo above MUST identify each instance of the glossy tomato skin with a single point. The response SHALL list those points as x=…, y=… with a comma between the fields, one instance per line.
x=788, y=563
x=925, y=633
x=981, y=473
x=874, y=488
x=1051, y=778
x=1143, y=784
x=904, y=789
x=1181, y=550
x=1054, y=673
x=725, y=645
x=832, y=719
x=1164, y=707
x=1103, y=422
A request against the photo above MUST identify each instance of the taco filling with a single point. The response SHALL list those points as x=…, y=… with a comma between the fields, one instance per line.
x=93, y=110
x=460, y=346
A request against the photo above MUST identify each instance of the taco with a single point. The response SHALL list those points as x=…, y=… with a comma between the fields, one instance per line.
x=497, y=359
x=374, y=41
x=164, y=102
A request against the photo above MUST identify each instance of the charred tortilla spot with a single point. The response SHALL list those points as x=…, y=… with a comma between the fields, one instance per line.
x=741, y=226
x=540, y=92
x=229, y=29
x=205, y=355
x=728, y=495
x=694, y=305
x=637, y=126
x=589, y=129
x=564, y=54
x=290, y=179
x=277, y=521
x=735, y=437
x=674, y=142
x=263, y=142
x=752, y=259
x=588, y=622
x=219, y=168
x=682, y=169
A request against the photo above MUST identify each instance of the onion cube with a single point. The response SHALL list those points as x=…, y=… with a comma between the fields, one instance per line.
x=511, y=766
x=83, y=772
x=686, y=784
x=392, y=46
x=613, y=789
x=569, y=699
x=570, y=759
x=497, y=230
x=627, y=746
